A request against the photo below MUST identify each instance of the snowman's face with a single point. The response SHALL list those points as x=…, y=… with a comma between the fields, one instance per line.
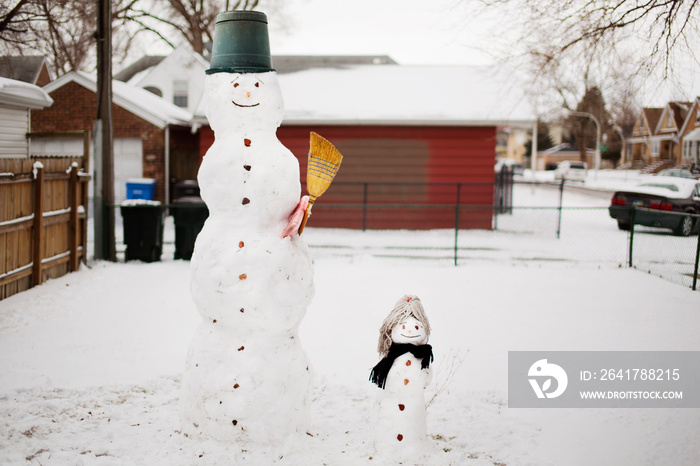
x=248, y=100
x=409, y=330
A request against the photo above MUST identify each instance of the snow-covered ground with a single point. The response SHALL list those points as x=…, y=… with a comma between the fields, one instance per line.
x=90, y=363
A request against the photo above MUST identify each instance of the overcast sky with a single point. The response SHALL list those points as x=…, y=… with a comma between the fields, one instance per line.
x=410, y=31
x=415, y=32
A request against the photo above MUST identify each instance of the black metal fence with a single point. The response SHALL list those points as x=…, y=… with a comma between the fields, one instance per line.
x=660, y=252
x=525, y=222
x=537, y=221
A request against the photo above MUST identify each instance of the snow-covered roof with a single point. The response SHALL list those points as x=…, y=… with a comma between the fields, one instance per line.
x=399, y=94
x=140, y=102
x=21, y=94
x=402, y=95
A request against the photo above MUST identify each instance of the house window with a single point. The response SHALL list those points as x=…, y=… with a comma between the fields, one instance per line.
x=697, y=117
x=180, y=93
x=654, y=148
x=669, y=120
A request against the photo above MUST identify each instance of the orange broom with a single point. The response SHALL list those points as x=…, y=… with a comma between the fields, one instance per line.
x=324, y=162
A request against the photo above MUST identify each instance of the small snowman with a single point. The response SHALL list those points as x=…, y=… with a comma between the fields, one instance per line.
x=402, y=374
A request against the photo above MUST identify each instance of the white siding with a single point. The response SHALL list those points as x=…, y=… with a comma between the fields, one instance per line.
x=14, y=126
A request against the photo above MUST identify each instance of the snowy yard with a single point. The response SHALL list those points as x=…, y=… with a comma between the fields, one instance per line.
x=91, y=362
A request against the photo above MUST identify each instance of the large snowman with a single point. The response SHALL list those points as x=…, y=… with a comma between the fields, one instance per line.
x=247, y=379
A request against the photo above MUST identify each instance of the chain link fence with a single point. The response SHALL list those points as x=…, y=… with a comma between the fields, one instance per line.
x=541, y=222
x=660, y=252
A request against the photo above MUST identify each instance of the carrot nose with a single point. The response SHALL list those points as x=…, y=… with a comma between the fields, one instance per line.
x=247, y=93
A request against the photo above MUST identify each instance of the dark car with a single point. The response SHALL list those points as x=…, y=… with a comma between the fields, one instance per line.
x=656, y=199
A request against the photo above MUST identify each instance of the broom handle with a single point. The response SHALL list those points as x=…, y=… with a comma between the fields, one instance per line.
x=307, y=212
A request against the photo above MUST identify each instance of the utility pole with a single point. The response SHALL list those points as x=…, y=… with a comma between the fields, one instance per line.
x=105, y=247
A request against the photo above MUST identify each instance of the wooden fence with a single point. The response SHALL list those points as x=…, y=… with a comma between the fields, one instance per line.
x=43, y=221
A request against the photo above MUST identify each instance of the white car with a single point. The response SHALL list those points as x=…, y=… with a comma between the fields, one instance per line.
x=571, y=170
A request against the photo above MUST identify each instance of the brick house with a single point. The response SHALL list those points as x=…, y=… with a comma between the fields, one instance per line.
x=149, y=132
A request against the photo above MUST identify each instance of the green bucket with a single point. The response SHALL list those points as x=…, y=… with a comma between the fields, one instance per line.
x=241, y=43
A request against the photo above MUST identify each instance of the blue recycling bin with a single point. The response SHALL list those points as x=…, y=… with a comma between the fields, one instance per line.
x=141, y=188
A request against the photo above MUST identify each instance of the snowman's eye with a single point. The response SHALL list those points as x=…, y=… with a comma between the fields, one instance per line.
x=416, y=327
x=257, y=84
x=235, y=84
x=403, y=327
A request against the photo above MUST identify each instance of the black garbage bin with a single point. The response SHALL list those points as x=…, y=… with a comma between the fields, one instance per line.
x=189, y=214
x=143, y=230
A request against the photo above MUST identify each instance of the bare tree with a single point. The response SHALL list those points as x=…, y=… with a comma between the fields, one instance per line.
x=566, y=48
x=192, y=21
x=662, y=27
x=62, y=31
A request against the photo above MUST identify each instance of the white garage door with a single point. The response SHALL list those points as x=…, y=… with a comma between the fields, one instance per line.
x=128, y=158
x=128, y=163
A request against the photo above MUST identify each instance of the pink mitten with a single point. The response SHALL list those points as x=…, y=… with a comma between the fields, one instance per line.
x=296, y=218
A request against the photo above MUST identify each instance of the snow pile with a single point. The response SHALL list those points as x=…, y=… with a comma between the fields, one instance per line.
x=91, y=362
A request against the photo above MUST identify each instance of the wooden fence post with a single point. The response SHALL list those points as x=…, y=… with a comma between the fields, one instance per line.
x=74, y=203
x=38, y=233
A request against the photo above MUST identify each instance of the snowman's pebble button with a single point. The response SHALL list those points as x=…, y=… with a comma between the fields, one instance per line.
x=242, y=310
x=236, y=386
x=405, y=381
x=241, y=244
x=398, y=437
x=247, y=167
x=401, y=407
x=241, y=348
x=408, y=363
x=246, y=201
x=242, y=276
x=246, y=142
x=234, y=422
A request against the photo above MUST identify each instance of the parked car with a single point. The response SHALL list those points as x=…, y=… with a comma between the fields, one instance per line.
x=571, y=170
x=515, y=167
x=677, y=172
x=658, y=199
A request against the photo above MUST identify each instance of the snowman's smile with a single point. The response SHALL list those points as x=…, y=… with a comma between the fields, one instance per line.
x=244, y=106
x=409, y=336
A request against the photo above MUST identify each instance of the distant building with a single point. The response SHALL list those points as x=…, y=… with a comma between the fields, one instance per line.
x=31, y=69
x=664, y=137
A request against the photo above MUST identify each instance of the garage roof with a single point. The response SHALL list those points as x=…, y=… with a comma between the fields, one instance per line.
x=399, y=94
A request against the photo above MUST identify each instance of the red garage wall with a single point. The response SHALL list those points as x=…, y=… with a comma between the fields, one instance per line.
x=399, y=171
